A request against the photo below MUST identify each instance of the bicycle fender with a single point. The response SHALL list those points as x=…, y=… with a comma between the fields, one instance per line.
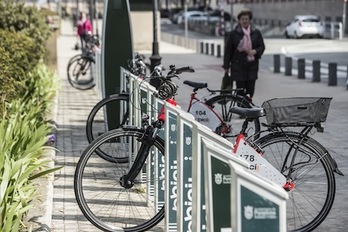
x=333, y=162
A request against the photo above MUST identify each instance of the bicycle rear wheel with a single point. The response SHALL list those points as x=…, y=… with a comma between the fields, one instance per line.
x=97, y=125
x=101, y=198
x=314, y=189
x=222, y=104
x=80, y=73
x=96, y=121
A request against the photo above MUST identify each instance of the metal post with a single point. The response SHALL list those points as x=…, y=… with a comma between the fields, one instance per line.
x=218, y=51
x=276, y=63
x=222, y=21
x=301, y=69
x=186, y=24
x=288, y=66
x=332, y=79
x=316, y=71
x=212, y=46
x=231, y=2
x=77, y=7
x=91, y=12
x=155, y=57
x=97, y=17
x=344, y=18
x=347, y=79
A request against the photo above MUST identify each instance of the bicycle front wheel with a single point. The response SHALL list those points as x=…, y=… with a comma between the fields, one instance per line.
x=313, y=193
x=222, y=104
x=80, y=73
x=99, y=194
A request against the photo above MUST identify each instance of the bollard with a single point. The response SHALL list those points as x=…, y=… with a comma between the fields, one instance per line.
x=212, y=48
x=301, y=68
x=276, y=63
x=332, y=80
x=202, y=47
x=316, y=71
x=218, y=48
x=288, y=66
x=347, y=79
x=207, y=48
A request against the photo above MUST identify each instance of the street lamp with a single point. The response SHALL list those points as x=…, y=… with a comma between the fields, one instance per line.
x=344, y=20
x=155, y=57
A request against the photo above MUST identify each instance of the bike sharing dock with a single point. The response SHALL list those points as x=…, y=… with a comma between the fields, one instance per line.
x=204, y=186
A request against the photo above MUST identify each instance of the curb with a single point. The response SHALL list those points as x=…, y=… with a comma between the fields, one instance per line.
x=39, y=217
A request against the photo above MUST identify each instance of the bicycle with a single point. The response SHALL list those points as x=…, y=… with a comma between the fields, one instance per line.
x=212, y=111
x=307, y=168
x=124, y=138
x=306, y=172
x=79, y=71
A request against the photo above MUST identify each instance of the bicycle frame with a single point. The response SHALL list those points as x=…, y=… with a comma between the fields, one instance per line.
x=258, y=164
x=148, y=139
x=206, y=115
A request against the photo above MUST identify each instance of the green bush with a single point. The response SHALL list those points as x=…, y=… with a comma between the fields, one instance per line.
x=23, y=133
x=17, y=17
x=16, y=62
x=27, y=89
x=23, y=35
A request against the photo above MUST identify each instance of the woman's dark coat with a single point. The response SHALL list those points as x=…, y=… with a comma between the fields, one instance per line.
x=241, y=68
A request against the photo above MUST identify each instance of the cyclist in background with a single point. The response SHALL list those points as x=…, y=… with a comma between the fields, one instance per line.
x=84, y=29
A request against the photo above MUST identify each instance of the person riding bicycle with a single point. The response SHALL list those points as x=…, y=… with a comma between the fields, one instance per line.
x=84, y=29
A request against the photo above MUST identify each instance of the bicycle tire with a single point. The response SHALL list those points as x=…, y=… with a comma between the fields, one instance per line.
x=101, y=198
x=222, y=103
x=96, y=125
x=74, y=58
x=80, y=75
x=312, y=197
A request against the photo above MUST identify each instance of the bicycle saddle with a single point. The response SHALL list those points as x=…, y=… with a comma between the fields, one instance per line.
x=252, y=113
x=197, y=85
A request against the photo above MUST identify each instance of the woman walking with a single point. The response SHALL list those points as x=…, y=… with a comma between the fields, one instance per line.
x=244, y=48
x=84, y=29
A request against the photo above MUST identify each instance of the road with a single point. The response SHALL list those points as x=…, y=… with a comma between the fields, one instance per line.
x=327, y=51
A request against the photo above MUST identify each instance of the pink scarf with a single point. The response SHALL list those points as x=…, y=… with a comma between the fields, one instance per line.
x=247, y=42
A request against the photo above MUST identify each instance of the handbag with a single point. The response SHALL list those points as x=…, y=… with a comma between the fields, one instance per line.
x=77, y=46
x=227, y=82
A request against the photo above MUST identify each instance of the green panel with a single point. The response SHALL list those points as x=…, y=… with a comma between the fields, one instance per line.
x=258, y=213
x=203, y=224
x=221, y=191
x=141, y=5
x=117, y=49
x=187, y=178
x=172, y=175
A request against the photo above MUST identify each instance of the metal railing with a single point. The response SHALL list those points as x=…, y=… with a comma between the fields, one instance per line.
x=333, y=30
x=191, y=189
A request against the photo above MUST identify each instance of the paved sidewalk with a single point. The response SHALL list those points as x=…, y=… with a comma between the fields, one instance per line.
x=74, y=106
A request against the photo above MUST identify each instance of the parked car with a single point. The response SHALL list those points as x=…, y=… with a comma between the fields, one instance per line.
x=174, y=13
x=305, y=26
x=189, y=14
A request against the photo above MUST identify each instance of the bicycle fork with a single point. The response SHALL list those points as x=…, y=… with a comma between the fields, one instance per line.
x=147, y=140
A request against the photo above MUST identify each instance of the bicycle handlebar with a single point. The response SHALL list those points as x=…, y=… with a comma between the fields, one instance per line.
x=167, y=88
x=185, y=69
